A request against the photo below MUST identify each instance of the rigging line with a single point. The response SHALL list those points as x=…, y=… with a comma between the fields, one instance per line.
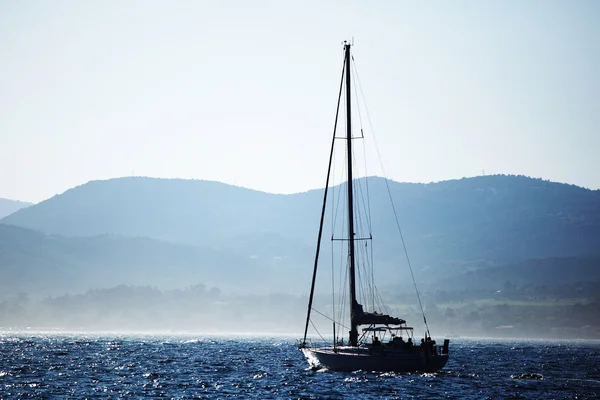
x=368, y=286
x=343, y=266
x=392, y=201
x=363, y=265
x=404, y=246
x=323, y=315
x=366, y=271
x=372, y=272
x=314, y=277
x=336, y=203
x=357, y=102
x=344, y=248
x=369, y=219
x=343, y=293
x=332, y=286
x=361, y=227
x=369, y=270
x=364, y=275
x=333, y=193
x=360, y=223
x=361, y=289
x=329, y=318
x=365, y=204
x=368, y=202
x=370, y=263
x=339, y=198
x=335, y=294
x=335, y=207
x=354, y=78
x=316, y=330
x=332, y=265
x=359, y=216
x=343, y=271
x=372, y=286
x=381, y=302
x=333, y=221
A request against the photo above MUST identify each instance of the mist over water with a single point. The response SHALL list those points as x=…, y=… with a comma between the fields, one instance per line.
x=37, y=364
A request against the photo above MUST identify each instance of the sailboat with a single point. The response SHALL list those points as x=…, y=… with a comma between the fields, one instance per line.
x=385, y=342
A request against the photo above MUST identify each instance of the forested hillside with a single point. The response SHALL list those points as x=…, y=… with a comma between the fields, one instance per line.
x=496, y=219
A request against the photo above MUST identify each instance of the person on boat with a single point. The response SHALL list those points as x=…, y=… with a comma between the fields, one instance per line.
x=430, y=345
x=396, y=341
x=376, y=341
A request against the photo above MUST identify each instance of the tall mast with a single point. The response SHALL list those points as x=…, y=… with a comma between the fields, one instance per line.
x=353, y=302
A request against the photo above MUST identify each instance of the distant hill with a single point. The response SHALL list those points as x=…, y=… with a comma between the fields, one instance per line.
x=42, y=265
x=466, y=223
x=176, y=210
x=551, y=271
x=8, y=207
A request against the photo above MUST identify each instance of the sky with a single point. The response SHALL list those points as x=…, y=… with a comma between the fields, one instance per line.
x=245, y=92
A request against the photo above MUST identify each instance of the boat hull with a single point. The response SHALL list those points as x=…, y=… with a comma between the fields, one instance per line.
x=369, y=359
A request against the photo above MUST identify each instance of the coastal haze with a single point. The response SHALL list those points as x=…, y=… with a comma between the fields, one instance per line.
x=165, y=163
x=493, y=255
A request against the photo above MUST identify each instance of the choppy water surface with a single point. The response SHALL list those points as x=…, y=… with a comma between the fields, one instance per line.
x=110, y=366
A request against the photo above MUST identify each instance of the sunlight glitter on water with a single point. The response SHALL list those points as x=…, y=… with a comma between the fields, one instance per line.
x=150, y=365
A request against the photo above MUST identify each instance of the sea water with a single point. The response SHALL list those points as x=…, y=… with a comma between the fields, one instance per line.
x=61, y=365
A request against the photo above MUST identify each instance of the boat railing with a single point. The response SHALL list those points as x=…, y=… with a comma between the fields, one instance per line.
x=308, y=343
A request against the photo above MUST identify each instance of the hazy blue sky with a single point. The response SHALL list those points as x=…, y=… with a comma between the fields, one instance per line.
x=244, y=91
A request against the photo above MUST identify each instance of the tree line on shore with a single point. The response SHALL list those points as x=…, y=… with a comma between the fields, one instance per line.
x=568, y=311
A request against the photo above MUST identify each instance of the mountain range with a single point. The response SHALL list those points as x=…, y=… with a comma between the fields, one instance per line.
x=173, y=232
x=8, y=207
